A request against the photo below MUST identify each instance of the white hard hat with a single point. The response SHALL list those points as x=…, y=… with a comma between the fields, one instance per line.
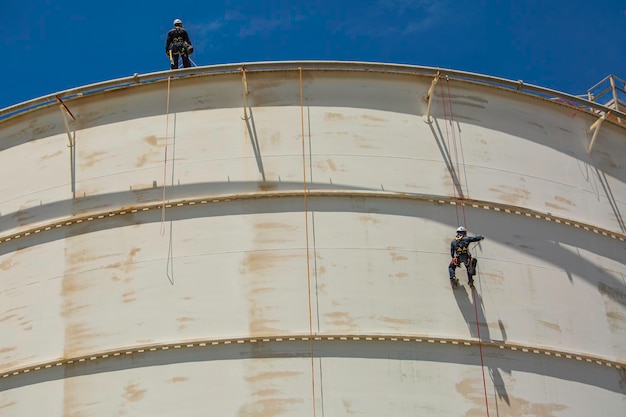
x=461, y=230
x=178, y=22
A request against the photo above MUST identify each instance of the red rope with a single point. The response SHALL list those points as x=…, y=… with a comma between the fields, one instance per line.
x=480, y=348
x=456, y=155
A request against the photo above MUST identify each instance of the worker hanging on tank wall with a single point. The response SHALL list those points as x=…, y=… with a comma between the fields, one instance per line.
x=461, y=256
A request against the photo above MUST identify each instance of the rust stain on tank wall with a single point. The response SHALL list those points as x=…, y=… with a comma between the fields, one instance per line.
x=89, y=160
x=263, y=327
x=266, y=392
x=20, y=320
x=75, y=260
x=7, y=350
x=7, y=405
x=549, y=325
x=511, y=195
x=401, y=275
x=332, y=166
x=133, y=393
x=347, y=407
x=266, y=376
x=182, y=321
x=128, y=297
x=8, y=264
x=392, y=320
x=178, y=379
x=274, y=225
x=363, y=142
x=267, y=187
x=267, y=407
x=564, y=200
x=373, y=118
x=556, y=206
x=366, y=218
x=263, y=261
x=153, y=140
x=78, y=339
x=330, y=116
x=472, y=389
x=50, y=156
x=146, y=158
x=341, y=320
x=69, y=287
x=127, y=264
x=395, y=257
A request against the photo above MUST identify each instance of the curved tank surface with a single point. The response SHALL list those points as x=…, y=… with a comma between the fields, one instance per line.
x=273, y=239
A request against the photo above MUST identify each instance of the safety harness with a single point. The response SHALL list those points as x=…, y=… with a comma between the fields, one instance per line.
x=460, y=249
x=178, y=43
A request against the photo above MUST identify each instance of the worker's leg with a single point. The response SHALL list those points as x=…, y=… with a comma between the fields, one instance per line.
x=186, y=61
x=174, y=61
x=451, y=269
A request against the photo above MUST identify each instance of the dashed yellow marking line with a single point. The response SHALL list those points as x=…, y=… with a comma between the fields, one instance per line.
x=109, y=355
x=318, y=193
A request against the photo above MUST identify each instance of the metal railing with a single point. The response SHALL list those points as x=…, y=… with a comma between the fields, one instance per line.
x=612, y=86
x=517, y=86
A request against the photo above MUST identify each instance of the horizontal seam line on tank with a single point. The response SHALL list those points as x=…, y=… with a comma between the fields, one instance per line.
x=481, y=204
x=315, y=337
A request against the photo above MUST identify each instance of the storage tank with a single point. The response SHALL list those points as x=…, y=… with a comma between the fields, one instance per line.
x=273, y=239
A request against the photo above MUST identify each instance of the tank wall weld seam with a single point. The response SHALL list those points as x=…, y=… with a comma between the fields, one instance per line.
x=222, y=198
x=201, y=343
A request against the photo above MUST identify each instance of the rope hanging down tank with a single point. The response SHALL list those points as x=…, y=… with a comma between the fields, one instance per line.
x=308, y=259
x=457, y=178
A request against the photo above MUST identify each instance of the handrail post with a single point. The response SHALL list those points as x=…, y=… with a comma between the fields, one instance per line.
x=65, y=110
x=244, y=82
x=71, y=137
x=596, y=128
x=429, y=95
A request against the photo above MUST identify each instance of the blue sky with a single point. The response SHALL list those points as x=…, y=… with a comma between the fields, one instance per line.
x=567, y=45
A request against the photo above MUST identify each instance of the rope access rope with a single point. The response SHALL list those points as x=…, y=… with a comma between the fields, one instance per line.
x=308, y=260
x=480, y=349
x=458, y=177
x=456, y=153
x=454, y=175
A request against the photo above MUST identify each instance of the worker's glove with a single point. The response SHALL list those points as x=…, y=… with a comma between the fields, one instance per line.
x=481, y=237
x=455, y=261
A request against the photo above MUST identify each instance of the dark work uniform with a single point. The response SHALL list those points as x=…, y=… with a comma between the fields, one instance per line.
x=461, y=255
x=178, y=42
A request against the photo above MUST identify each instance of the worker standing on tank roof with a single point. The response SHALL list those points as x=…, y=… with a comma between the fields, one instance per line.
x=178, y=43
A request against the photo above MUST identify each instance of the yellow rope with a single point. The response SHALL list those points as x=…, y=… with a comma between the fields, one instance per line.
x=308, y=260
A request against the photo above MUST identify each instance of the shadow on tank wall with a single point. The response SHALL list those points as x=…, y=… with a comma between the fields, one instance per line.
x=537, y=238
x=582, y=372
x=399, y=93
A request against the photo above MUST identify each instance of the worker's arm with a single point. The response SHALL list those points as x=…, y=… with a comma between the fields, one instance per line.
x=168, y=40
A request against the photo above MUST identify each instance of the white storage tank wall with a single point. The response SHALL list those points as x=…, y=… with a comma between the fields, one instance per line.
x=240, y=269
